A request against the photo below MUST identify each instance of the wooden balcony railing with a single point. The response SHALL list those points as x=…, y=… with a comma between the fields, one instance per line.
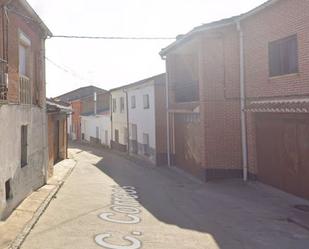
x=25, y=90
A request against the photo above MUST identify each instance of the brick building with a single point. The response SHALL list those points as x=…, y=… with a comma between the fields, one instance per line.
x=238, y=92
x=23, y=138
x=74, y=97
x=204, y=104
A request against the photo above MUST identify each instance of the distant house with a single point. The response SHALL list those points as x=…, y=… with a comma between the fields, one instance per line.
x=96, y=120
x=119, y=117
x=57, y=113
x=147, y=119
x=23, y=137
x=74, y=97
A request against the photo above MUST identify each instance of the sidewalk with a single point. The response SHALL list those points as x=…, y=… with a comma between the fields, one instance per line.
x=14, y=230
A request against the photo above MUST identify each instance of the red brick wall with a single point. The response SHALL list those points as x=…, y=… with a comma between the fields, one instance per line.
x=76, y=120
x=220, y=99
x=283, y=19
x=16, y=24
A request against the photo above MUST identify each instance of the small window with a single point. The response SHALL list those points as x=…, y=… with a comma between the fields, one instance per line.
x=133, y=102
x=122, y=104
x=146, y=101
x=97, y=132
x=106, y=137
x=134, y=132
x=146, y=144
x=117, y=136
x=283, y=56
x=125, y=135
x=24, y=54
x=24, y=145
x=8, y=190
x=114, y=105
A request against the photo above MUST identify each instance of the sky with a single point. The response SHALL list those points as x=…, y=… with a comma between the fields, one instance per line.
x=75, y=63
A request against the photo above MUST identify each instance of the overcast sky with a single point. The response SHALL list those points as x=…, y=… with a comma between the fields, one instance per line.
x=109, y=63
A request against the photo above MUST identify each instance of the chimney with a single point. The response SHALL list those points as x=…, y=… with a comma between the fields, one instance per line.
x=95, y=103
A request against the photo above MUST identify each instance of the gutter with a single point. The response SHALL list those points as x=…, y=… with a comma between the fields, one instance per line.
x=242, y=104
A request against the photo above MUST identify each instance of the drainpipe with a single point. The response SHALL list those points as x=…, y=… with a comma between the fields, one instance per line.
x=128, y=128
x=167, y=115
x=242, y=104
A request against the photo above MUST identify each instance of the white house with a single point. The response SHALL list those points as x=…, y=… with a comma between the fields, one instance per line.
x=119, y=117
x=96, y=119
x=147, y=118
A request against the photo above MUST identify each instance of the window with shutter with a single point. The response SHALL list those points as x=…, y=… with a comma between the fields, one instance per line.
x=283, y=56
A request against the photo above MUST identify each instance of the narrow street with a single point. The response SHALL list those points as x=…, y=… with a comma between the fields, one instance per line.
x=171, y=210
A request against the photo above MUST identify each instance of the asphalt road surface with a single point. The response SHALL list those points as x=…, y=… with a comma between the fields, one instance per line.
x=111, y=202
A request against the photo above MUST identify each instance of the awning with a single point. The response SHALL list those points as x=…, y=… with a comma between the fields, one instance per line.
x=295, y=105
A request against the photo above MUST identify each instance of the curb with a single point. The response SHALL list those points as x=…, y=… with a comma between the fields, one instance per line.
x=20, y=238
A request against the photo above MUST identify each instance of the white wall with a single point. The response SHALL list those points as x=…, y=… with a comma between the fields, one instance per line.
x=119, y=118
x=31, y=177
x=143, y=118
x=89, y=124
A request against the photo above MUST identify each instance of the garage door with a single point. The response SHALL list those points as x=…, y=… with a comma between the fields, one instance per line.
x=283, y=152
x=188, y=141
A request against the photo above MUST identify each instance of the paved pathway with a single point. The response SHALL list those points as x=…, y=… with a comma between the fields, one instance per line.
x=110, y=202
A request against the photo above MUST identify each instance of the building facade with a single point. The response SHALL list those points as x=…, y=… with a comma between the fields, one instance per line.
x=119, y=119
x=204, y=103
x=276, y=66
x=96, y=119
x=238, y=97
x=23, y=139
x=57, y=113
x=147, y=119
x=74, y=98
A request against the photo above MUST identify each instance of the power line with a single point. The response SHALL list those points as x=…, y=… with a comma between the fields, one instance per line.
x=111, y=37
x=66, y=70
x=92, y=37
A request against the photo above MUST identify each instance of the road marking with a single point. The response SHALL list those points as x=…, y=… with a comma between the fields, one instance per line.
x=100, y=240
x=124, y=202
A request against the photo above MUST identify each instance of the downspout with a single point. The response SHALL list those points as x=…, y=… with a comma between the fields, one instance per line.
x=111, y=118
x=167, y=115
x=127, y=108
x=242, y=104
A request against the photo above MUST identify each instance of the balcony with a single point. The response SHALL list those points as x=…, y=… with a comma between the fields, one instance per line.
x=25, y=90
x=186, y=91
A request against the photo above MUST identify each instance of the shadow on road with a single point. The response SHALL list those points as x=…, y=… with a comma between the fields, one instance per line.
x=235, y=214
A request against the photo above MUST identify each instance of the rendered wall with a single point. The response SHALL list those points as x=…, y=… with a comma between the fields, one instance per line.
x=31, y=177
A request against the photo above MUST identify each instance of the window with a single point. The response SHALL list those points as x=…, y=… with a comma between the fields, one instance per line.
x=117, y=136
x=97, y=129
x=8, y=191
x=283, y=56
x=146, y=144
x=122, y=104
x=106, y=137
x=133, y=102
x=24, y=54
x=134, y=132
x=125, y=135
x=114, y=105
x=24, y=145
x=146, y=101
